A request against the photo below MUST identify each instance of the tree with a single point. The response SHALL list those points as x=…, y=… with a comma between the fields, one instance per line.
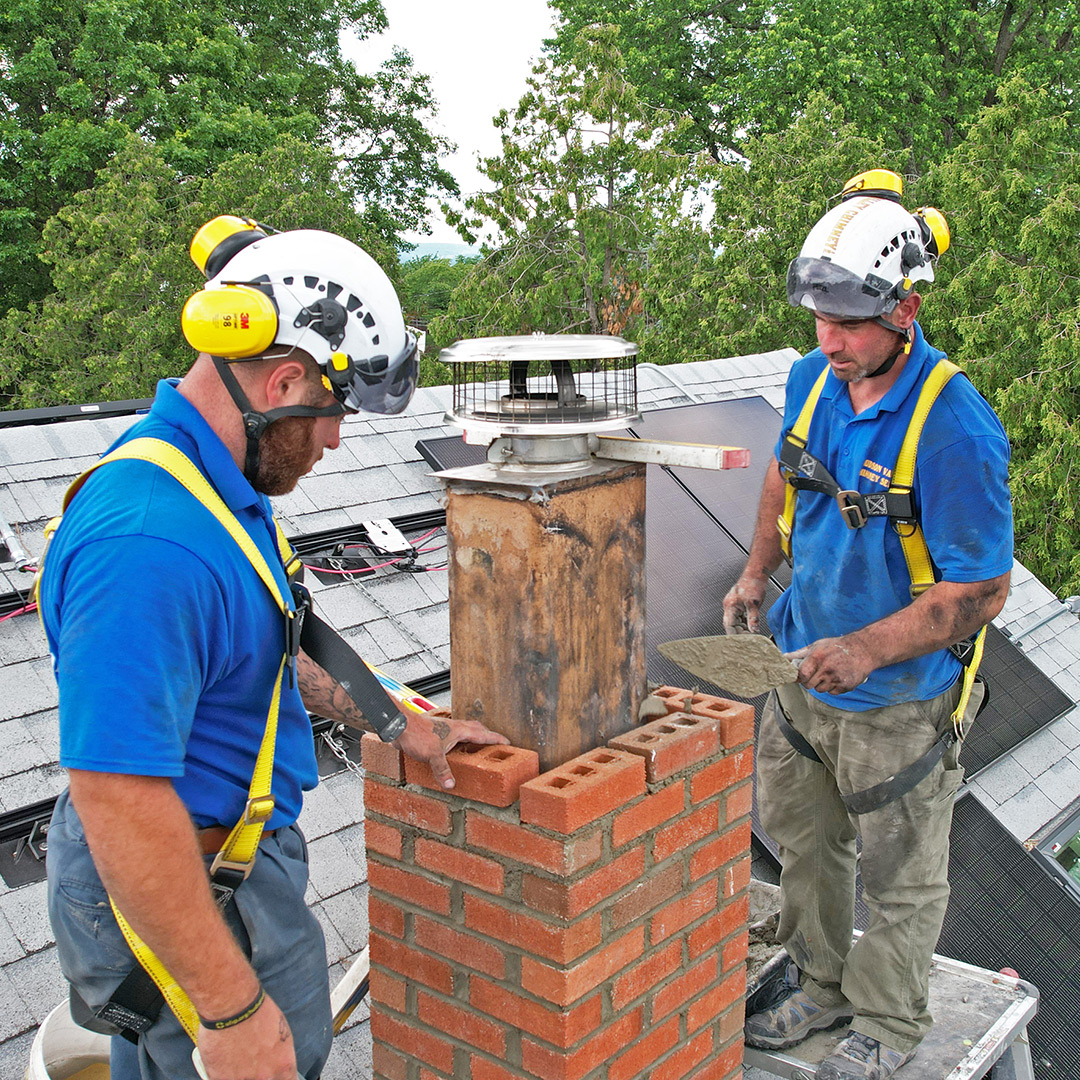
x=1007, y=305
x=586, y=176
x=718, y=290
x=121, y=273
x=915, y=82
x=203, y=80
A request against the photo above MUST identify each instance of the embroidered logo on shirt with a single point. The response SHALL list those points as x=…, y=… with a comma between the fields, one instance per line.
x=871, y=470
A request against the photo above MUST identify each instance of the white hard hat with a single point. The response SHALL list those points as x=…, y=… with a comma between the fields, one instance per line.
x=327, y=297
x=864, y=256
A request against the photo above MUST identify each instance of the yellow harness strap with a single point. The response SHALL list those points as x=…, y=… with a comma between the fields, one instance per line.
x=240, y=847
x=798, y=435
x=913, y=543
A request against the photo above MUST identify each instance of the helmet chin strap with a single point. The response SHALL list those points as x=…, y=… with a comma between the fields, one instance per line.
x=256, y=423
x=905, y=348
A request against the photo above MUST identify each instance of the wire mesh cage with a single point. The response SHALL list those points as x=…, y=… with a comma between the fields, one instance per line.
x=550, y=382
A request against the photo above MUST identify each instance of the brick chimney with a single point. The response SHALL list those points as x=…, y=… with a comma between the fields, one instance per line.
x=585, y=923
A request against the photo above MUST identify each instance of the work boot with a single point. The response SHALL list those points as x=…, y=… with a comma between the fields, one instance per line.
x=859, y=1057
x=792, y=1016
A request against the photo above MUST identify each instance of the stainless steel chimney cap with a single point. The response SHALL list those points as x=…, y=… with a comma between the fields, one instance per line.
x=539, y=347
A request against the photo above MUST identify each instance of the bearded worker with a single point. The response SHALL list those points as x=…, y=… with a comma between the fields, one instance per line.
x=889, y=491
x=184, y=692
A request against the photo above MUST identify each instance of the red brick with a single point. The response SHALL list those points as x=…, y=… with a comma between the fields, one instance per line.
x=525, y=845
x=635, y=1061
x=582, y=790
x=451, y=862
x=731, y=917
x=670, y=744
x=411, y=888
x=735, y=951
x=411, y=963
x=568, y=901
x=648, y=814
x=551, y=941
x=462, y=1024
x=688, y=985
x=647, y=895
x=721, y=775
x=459, y=947
x=736, y=877
x=388, y=990
x=736, y=720
x=740, y=801
x=685, y=910
x=413, y=1042
x=686, y=831
x=560, y=1027
x=674, y=698
x=727, y=1065
x=387, y=1064
x=729, y=845
x=388, y=918
x=487, y=774
x=684, y=1059
x=720, y=998
x=552, y=1065
x=408, y=807
x=483, y=1069
x=644, y=976
x=380, y=758
x=563, y=985
x=383, y=839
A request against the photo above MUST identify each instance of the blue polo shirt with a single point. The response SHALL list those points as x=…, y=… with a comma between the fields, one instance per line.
x=165, y=642
x=845, y=579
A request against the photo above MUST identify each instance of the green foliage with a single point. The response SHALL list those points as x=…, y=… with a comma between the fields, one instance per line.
x=912, y=78
x=586, y=176
x=1007, y=305
x=202, y=80
x=121, y=272
x=720, y=291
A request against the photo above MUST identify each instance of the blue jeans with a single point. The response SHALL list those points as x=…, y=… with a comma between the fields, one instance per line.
x=268, y=917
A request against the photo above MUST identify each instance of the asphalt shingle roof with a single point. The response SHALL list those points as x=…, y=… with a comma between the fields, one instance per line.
x=398, y=621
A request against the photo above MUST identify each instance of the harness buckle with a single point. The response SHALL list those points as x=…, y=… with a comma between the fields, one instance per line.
x=852, y=508
x=258, y=810
x=294, y=626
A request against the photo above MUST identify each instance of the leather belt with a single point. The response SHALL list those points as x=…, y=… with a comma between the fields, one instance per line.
x=212, y=838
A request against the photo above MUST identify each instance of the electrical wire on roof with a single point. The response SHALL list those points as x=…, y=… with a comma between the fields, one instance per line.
x=25, y=610
x=338, y=561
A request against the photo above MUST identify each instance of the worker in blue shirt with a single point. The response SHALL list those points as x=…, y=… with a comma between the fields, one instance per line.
x=172, y=657
x=887, y=575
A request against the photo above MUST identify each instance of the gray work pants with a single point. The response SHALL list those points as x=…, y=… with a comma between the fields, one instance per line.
x=268, y=917
x=904, y=862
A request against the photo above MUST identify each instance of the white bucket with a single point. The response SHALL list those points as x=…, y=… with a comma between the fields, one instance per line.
x=64, y=1051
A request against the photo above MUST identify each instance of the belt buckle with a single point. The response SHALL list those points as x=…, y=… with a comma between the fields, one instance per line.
x=851, y=509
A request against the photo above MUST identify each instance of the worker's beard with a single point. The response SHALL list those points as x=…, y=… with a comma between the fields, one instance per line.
x=286, y=452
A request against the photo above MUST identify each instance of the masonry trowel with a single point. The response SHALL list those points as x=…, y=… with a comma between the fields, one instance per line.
x=742, y=664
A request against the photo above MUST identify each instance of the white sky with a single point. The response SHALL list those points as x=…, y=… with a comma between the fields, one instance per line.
x=479, y=54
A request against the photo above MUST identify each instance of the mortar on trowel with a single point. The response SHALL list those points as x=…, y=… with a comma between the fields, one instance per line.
x=745, y=665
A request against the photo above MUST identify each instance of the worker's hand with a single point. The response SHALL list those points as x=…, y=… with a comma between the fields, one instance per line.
x=833, y=665
x=261, y=1046
x=742, y=604
x=427, y=738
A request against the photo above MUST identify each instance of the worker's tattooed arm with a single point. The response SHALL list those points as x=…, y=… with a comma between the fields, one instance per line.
x=426, y=738
x=325, y=696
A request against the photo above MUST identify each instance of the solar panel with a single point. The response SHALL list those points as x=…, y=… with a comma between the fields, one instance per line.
x=1007, y=911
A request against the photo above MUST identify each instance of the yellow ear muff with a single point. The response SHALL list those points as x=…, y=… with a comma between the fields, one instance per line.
x=883, y=183
x=219, y=240
x=233, y=321
x=939, y=229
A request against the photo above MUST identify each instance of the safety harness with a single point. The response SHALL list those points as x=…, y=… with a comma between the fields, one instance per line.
x=802, y=471
x=136, y=1003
